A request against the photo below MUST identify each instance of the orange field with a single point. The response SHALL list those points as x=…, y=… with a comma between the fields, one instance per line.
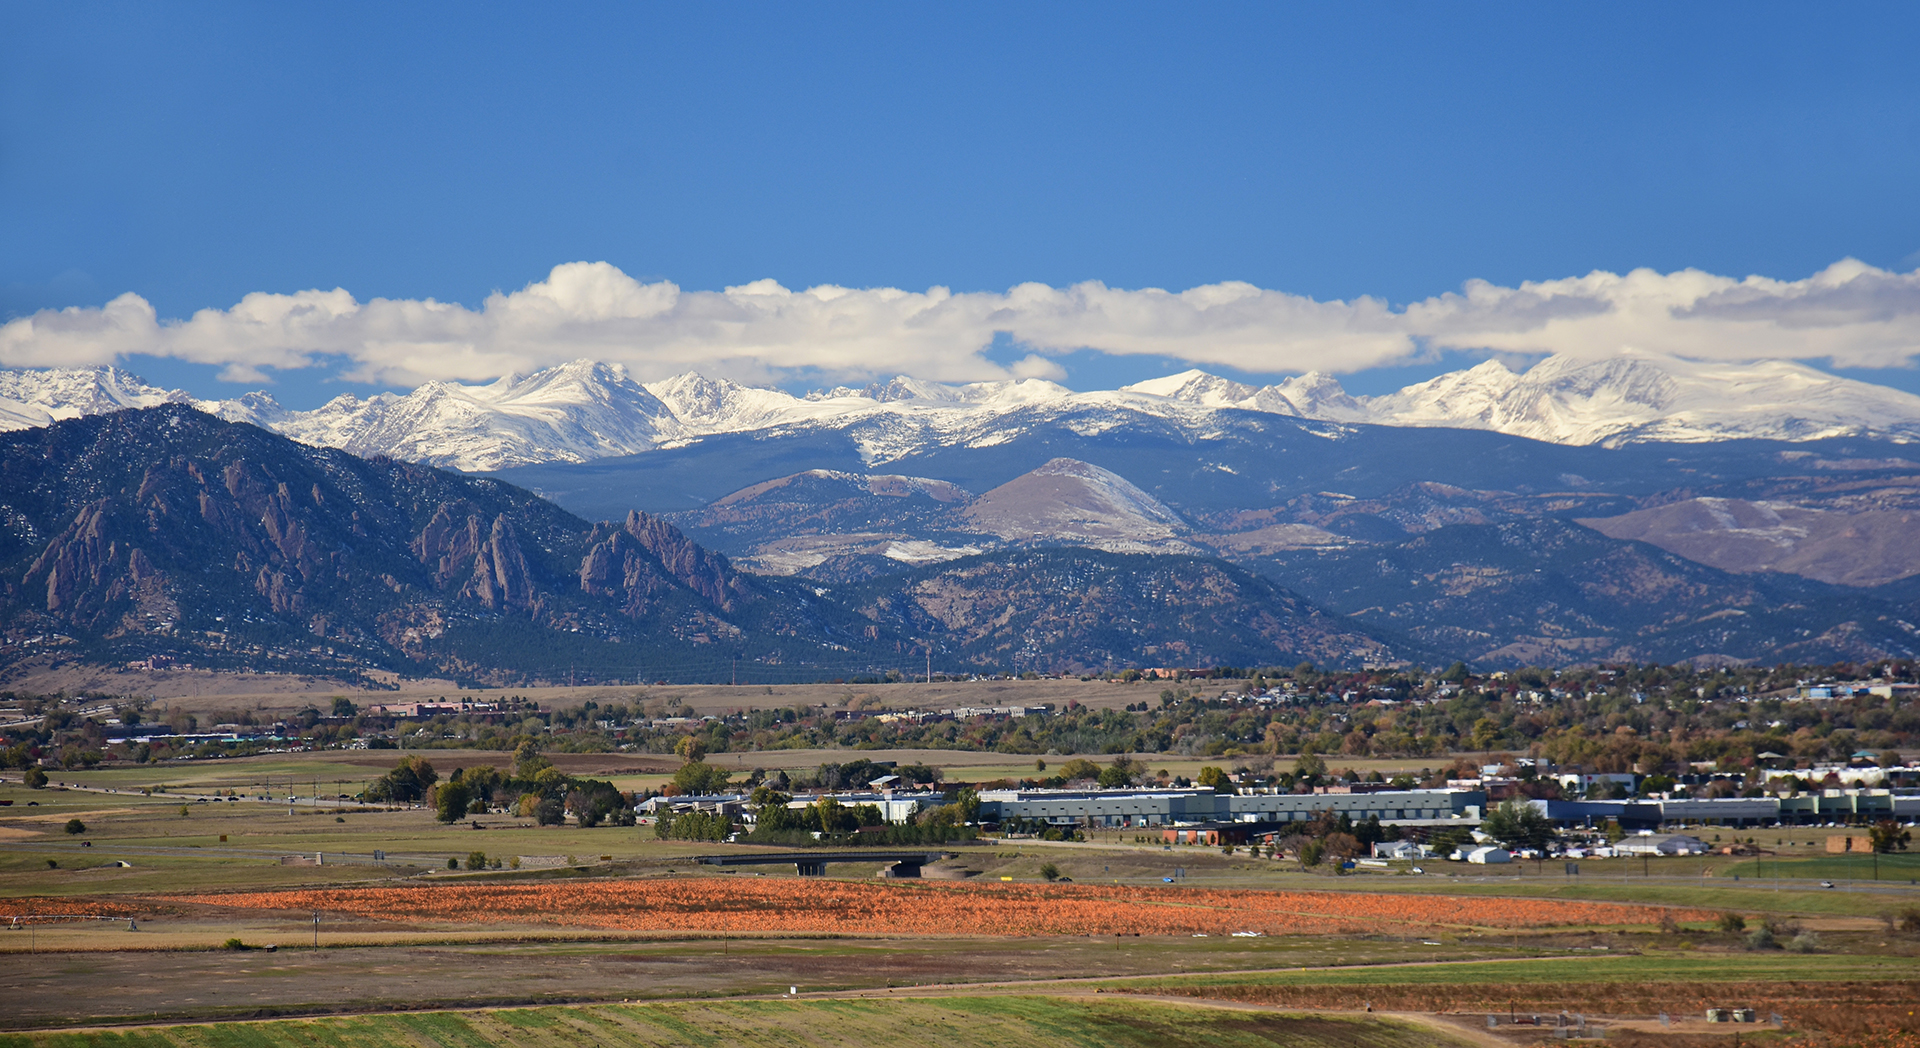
x=714, y=904
x=10, y=908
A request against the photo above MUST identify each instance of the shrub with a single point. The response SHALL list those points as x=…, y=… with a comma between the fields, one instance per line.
x=1761, y=938
x=1732, y=922
x=233, y=944
x=476, y=860
x=76, y=826
x=1050, y=872
x=1805, y=942
x=1907, y=920
x=453, y=863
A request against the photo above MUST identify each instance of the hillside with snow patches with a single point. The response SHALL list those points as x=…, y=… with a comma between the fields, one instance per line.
x=585, y=410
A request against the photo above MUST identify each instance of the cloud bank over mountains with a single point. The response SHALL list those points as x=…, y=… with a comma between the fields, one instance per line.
x=1850, y=313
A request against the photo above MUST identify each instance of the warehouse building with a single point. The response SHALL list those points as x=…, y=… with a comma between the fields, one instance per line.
x=1170, y=807
x=1824, y=806
x=1392, y=807
x=1105, y=808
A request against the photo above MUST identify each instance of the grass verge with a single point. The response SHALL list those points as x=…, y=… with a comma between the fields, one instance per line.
x=960, y=1022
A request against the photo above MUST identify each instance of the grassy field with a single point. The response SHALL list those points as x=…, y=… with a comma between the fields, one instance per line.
x=1892, y=868
x=960, y=1022
x=349, y=771
x=143, y=978
x=191, y=695
x=1667, y=966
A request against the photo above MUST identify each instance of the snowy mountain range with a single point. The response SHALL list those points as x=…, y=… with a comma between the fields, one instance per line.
x=586, y=410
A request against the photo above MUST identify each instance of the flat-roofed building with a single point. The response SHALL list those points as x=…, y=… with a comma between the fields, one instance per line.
x=1106, y=808
x=1167, y=807
x=1402, y=807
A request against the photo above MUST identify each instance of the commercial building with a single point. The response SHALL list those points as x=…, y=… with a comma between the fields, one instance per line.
x=1106, y=808
x=1806, y=809
x=894, y=807
x=1390, y=806
x=1661, y=844
x=1169, y=807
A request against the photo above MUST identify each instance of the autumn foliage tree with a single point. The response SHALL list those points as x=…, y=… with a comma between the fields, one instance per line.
x=407, y=783
x=1888, y=836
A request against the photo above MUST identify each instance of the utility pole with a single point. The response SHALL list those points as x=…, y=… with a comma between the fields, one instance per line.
x=929, y=665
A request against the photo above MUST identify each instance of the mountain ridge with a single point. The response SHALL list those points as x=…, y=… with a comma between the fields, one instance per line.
x=585, y=410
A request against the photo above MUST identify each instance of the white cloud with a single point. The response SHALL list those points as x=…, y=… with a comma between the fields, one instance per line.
x=1851, y=313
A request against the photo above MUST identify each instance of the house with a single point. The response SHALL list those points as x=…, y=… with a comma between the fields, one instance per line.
x=1400, y=850
x=1489, y=856
x=1579, y=783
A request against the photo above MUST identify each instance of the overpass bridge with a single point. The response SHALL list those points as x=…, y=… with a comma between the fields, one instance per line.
x=814, y=864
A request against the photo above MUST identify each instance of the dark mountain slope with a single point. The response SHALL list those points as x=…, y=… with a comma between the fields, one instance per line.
x=1545, y=591
x=1072, y=610
x=827, y=502
x=167, y=531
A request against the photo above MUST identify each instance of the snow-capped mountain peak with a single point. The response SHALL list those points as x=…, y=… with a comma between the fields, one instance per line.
x=1197, y=387
x=719, y=405
x=32, y=398
x=1567, y=399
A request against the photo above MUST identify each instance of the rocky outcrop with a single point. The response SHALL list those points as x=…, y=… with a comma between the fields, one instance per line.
x=81, y=561
x=637, y=561
x=500, y=577
x=89, y=577
x=459, y=543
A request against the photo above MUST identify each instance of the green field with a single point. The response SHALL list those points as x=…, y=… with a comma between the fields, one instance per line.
x=960, y=1022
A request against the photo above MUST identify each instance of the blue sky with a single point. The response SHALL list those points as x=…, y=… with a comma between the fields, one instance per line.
x=193, y=154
